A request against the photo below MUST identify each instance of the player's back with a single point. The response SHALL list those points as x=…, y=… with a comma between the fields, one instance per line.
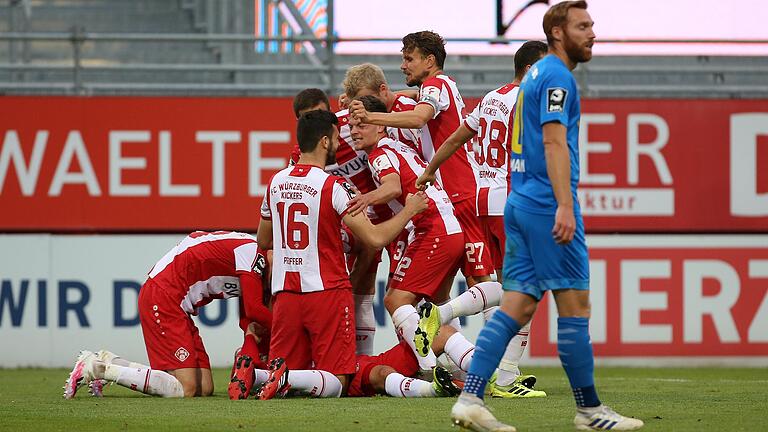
x=548, y=93
x=306, y=206
x=406, y=162
x=492, y=121
x=205, y=266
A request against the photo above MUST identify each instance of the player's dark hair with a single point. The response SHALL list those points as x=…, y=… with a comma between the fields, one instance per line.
x=528, y=54
x=312, y=127
x=373, y=104
x=557, y=16
x=309, y=98
x=427, y=42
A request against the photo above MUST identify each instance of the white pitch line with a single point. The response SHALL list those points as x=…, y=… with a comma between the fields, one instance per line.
x=682, y=380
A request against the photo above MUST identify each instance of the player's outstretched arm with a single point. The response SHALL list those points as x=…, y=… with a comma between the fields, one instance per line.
x=389, y=190
x=380, y=235
x=559, y=172
x=409, y=93
x=414, y=119
x=458, y=138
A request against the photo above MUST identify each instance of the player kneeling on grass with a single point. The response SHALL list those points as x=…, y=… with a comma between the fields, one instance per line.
x=202, y=267
x=389, y=373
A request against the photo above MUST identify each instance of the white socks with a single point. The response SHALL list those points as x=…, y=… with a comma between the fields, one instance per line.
x=398, y=385
x=472, y=301
x=406, y=321
x=508, y=367
x=314, y=383
x=127, y=363
x=460, y=350
x=144, y=380
x=365, y=323
x=260, y=376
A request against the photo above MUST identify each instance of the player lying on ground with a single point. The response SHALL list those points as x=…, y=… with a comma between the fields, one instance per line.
x=392, y=373
x=484, y=297
x=201, y=268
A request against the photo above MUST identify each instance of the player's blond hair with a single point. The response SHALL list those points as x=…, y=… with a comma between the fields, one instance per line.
x=363, y=76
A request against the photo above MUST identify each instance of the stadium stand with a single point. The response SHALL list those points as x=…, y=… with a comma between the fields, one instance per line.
x=191, y=47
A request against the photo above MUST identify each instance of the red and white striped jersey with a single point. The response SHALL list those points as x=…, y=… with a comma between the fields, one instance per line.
x=308, y=205
x=410, y=137
x=492, y=121
x=206, y=266
x=442, y=94
x=394, y=157
x=352, y=165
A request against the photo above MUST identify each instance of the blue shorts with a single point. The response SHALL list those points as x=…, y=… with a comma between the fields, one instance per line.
x=534, y=263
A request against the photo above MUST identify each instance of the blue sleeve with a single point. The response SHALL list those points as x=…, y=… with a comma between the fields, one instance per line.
x=557, y=93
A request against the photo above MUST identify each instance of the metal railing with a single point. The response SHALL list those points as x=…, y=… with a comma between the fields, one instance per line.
x=236, y=69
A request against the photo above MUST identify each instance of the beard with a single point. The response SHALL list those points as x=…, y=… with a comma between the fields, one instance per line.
x=330, y=158
x=577, y=53
x=416, y=81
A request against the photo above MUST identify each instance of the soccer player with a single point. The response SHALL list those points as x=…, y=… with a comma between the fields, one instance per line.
x=435, y=241
x=310, y=283
x=545, y=250
x=439, y=112
x=491, y=123
x=202, y=267
x=389, y=373
x=368, y=79
x=363, y=261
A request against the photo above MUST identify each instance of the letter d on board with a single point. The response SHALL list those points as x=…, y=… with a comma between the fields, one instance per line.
x=745, y=199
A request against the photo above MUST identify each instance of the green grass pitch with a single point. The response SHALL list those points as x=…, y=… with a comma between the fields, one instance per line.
x=696, y=399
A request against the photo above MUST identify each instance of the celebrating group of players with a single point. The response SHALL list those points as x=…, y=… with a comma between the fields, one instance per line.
x=411, y=173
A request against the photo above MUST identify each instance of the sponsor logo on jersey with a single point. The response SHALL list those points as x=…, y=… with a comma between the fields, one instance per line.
x=181, y=354
x=351, y=167
x=556, y=99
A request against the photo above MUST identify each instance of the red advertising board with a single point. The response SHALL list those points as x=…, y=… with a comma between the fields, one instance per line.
x=176, y=164
x=663, y=296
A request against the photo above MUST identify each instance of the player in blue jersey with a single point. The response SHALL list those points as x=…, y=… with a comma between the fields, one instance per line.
x=545, y=249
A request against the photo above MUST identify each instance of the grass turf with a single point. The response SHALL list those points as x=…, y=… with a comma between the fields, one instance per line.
x=696, y=399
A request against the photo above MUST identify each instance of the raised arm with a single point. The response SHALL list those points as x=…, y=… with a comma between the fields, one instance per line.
x=413, y=119
x=458, y=138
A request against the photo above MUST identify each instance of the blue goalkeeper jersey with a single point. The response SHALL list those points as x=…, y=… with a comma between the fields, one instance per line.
x=548, y=93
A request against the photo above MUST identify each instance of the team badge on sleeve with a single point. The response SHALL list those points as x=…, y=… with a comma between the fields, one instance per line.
x=349, y=189
x=556, y=99
x=259, y=264
x=430, y=95
x=380, y=164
